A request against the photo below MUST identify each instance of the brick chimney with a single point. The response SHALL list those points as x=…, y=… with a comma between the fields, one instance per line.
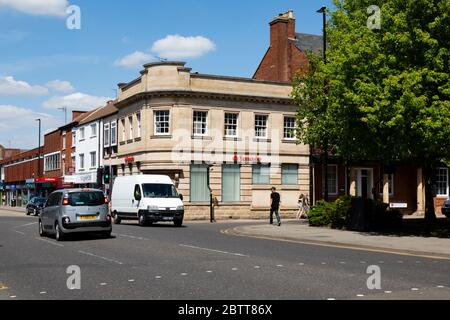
x=76, y=114
x=283, y=58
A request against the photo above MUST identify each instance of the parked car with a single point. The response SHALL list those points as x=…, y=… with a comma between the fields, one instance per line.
x=146, y=198
x=35, y=206
x=75, y=211
x=446, y=208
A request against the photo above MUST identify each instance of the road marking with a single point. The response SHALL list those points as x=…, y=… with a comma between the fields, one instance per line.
x=440, y=287
x=232, y=232
x=212, y=250
x=100, y=257
x=19, y=232
x=280, y=266
x=400, y=261
x=381, y=262
x=209, y=271
x=301, y=264
x=414, y=289
x=13, y=297
x=130, y=237
x=323, y=263
x=388, y=292
x=331, y=299
x=131, y=280
x=257, y=267
x=363, y=262
x=103, y=284
x=360, y=295
x=50, y=242
x=158, y=277
x=43, y=292
x=342, y=262
x=26, y=225
x=234, y=269
x=184, y=274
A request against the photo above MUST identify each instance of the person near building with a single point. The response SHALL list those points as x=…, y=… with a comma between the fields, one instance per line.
x=275, y=200
x=303, y=207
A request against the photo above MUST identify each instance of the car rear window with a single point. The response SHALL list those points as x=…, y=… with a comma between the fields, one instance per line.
x=81, y=199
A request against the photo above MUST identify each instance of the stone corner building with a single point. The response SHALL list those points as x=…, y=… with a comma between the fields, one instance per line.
x=234, y=134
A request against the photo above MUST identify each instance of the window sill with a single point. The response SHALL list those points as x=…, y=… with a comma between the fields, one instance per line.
x=122, y=143
x=267, y=187
x=138, y=139
x=206, y=138
x=262, y=140
x=290, y=187
x=232, y=139
x=161, y=136
x=293, y=141
x=129, y=141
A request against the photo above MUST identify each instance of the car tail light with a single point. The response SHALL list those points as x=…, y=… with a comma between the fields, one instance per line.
x=65, y=201
x=106, y=200
x=108, y=218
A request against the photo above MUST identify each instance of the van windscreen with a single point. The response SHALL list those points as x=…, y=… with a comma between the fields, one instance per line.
x=81, y=199
x=159, y=191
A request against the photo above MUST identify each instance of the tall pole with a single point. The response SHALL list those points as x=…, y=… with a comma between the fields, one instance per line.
x=65, y=113
x=39, y=150
x=323, y=10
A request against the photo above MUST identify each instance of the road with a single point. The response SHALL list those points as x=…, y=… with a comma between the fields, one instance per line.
x=199, y=262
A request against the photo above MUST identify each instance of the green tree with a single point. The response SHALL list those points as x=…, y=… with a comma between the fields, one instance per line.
x=387, y=90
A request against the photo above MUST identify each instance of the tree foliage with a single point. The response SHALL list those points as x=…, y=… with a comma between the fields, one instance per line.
x=387, y=90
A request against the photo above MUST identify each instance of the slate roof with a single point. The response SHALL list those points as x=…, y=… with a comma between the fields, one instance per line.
x=309, y=42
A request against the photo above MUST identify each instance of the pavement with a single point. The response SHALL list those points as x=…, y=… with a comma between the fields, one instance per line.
x=301, y=232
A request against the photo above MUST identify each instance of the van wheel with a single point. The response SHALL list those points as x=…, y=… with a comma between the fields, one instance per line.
x=116, y=218
x=142, y=220
x=178, y=223
x=59, y=235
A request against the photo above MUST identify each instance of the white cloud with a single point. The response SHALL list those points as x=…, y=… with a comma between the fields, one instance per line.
x=179, y=47
x=60, y=86
x=11, y=87
x=13, y=117
x=38, y=7
x=77, y=100
x=135, y=59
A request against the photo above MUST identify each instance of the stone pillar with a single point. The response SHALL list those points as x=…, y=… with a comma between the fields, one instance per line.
x=420, y=192
x=386, y=188
x=352, y=190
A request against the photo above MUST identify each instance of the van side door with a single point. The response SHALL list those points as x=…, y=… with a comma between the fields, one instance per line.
x=137, y=197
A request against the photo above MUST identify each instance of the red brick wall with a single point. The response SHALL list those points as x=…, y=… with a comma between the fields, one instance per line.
x=22, y=171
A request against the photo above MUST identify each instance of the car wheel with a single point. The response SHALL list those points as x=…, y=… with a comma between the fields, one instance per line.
x=28, y=211
x=116, y=218
x=41, y=229
x=35, y=212
x=59, y=235
x=142, y=220
x=178, y=223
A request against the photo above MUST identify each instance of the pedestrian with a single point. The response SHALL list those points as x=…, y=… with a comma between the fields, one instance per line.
x=275, y=200
x=303, y=207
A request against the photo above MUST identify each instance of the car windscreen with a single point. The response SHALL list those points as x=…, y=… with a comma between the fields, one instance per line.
x=156, y=190
x=39, y=200
x=81, y=199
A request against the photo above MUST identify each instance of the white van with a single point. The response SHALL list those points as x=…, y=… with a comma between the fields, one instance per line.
x=146, y=198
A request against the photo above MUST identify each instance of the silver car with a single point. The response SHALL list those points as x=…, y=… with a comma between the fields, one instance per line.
x=75, y=211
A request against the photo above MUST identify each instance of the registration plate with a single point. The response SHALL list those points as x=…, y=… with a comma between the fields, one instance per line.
x=168, y=218
x=88, y=217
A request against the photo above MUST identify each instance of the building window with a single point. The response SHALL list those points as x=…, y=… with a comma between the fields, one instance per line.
x=332, y=180
x=199, y=183
x=130, y=120
x=52, y=162
x=231, y=124
x=73, y=164
x=138, y=118
x=289, y=128
x=289, y=174
x=93, y=159
x=124, y=138
x=162, y=122
x=231, y=183
x=81, y=134
x=106, y=136
x=93, y=130
x=200, y=123
x=261, y=126
x=441, y=182
x=82, y=161
x=64, y=142
x=113, y=133
x=74, y=138
x=391, y=184
x=261, y=174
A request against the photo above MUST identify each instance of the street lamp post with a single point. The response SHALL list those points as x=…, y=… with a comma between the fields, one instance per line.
x=39, y=150
x=323, y=10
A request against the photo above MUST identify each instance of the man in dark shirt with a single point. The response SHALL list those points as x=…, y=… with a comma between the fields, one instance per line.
x=275, y=206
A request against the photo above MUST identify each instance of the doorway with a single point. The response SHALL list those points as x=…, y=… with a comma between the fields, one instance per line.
x=364, y=183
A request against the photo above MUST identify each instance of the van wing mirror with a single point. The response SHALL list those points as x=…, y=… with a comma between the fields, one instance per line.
x=181, y=197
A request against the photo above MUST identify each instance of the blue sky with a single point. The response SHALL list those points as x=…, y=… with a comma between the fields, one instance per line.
x=43, y=64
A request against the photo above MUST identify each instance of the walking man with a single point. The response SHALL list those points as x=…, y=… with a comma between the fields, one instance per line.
x=275, y=206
